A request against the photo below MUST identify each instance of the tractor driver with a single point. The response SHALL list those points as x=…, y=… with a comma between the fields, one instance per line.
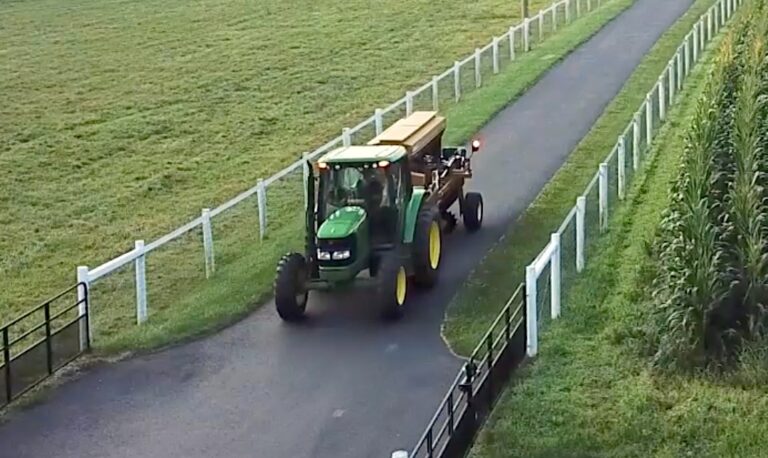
x=377, y=190
x=372, y=188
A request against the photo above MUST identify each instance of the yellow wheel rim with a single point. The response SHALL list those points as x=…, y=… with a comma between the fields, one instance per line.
x=401, y=286
x=434, y=245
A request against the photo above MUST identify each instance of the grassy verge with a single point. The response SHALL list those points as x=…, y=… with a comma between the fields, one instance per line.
x=247, y=271
x=594, y=395
x=487, y=289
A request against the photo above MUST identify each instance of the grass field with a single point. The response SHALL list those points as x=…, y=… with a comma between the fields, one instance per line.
x=121, y=120
x=592, y=393
x=485, y=292
x=126, y=118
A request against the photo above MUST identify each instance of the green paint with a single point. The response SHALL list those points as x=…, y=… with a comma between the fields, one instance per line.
x=342, y=223
x=412, y=212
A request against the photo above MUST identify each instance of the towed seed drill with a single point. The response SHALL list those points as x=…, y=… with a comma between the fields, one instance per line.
x=381, y=208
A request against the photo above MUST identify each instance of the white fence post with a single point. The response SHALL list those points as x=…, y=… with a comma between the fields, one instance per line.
x=687, y=47
x=408, y=103
x=457, y=80
x=672, y=82
x=648, y=120
x=716, y=18
x=435, y=95
x=495, y=51
x=541, y=26
x=261, y=196
x=567, y=11
x=589, y=5
x=531, y=317
x=722, y=13
x=83, y=309
x=709, y=25
x=141, y=283
x=578, y=9
x=346, y=137
x=512, y=43
x=210, y=263
x=603, y=196
x=526, y=34
x=554, y=275
x=581, y=210
x=378, y=121
x=662, y=98
x=696, y=42
x=679, y=58
x=636, y=142
x=554, y=18
x=478, y=77
x=305, y=173
x=622, y=167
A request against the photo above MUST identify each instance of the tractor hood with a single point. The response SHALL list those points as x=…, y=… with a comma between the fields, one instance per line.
x=342, y=223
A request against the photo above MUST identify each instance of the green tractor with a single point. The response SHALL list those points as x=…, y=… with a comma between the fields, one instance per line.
x=380, y=209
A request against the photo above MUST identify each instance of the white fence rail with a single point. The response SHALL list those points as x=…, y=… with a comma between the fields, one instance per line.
x=591, y=213
x=448, y=87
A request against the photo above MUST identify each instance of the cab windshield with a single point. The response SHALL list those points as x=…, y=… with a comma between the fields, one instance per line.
x=361, y=185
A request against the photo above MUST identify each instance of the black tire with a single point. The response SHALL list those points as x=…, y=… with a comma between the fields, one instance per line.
x=426, y=262
x=391, y=272
x=373, y=265
x=472, y=211
x=290, y=289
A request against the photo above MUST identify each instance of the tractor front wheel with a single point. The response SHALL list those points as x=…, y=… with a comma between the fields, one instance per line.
x=290, y=287
x=427, y=247
x=472, y=211
x=392, y=290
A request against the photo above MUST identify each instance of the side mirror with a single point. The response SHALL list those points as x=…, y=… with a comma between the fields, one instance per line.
x=475, y=145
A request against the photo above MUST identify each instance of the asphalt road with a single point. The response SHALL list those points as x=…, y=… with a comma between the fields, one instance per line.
x=344, y=385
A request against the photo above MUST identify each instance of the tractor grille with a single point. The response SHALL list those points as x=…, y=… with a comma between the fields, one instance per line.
x=332, y=246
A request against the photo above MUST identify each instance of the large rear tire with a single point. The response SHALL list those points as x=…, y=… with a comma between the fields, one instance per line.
x=427, y=247
x=472, y=211
x=290, y=287
x=392, y=287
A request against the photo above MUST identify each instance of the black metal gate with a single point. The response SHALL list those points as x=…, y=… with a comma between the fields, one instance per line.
x=43, y=340
x=477, y=386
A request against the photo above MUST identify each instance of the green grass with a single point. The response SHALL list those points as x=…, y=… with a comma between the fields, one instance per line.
x=205, y=126
x=122, y=119
x=591, y=393
x=488, y=288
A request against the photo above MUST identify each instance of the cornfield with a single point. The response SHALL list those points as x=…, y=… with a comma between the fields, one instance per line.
x=711, y=287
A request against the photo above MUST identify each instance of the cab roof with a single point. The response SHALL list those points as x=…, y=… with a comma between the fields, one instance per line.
x=365, y=153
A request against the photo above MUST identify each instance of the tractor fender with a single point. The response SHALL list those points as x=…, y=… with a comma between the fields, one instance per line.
x=412, y=213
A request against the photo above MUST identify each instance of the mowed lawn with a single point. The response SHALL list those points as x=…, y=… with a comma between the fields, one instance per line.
x=120, y=120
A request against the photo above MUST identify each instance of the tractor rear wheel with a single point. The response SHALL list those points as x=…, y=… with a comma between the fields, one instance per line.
x=472, y=211
x=290, y=287
x=392, y=287
x=427, y=247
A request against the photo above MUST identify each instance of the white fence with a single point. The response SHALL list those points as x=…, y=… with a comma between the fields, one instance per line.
x=447, y=88
x=589, y=217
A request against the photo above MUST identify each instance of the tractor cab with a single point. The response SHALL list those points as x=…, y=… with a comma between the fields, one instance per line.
x=359, y=210
x=374, y=179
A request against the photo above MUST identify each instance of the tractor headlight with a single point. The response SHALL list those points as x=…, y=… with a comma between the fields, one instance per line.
x=339, y=255
x=323, y=255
